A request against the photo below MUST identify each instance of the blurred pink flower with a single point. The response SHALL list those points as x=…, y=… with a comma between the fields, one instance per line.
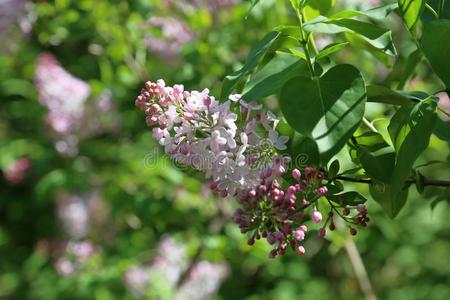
x=203, y=281
x=174, y=34
x=137, y=280
x=70, y=117
x=15, y=172
x=11, y=11
x=71, y=256
x=171, y=262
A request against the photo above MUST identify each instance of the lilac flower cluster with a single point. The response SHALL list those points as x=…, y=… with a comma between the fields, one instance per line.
x=66, y=98
x=198, y=131
x=73, y=256
x=236, y=145
x=20, y=11
x=171, y=263
x=174, y=34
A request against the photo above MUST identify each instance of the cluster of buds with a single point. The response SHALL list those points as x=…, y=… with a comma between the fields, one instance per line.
x=278, y=214
x=236, y=145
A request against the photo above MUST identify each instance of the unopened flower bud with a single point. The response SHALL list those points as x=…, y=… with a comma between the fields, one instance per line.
x=316, y=217
x=322, y=232
x=296, y=174
x=300, y=250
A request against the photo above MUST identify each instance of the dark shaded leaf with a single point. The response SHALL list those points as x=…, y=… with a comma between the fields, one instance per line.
x=436, y=47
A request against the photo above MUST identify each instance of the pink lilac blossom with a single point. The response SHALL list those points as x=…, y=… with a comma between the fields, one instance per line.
x=174, y=35
x=170, y=263
x=16, y=171
x=203, y=281
x=137, y=280
x=20, y=11
x=171, y=260
x=70, y=116
x=72, y=256
x=237, y=146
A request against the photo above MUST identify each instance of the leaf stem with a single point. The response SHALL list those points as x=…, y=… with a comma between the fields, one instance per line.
x=432, y=11
x=426, y=181
x=368, y=124
x=441, y=8
x=304, y=41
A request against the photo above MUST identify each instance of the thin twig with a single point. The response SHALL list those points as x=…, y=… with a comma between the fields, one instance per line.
x=426, y=181
x=360, y=270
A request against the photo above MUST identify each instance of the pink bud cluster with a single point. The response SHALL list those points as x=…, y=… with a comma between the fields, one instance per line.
x=278, y=214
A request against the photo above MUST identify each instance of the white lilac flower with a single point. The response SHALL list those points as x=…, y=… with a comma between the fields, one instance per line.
x=197, y=130
x=279, y=142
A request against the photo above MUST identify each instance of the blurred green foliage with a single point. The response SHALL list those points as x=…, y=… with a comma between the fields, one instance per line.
x=145, y=196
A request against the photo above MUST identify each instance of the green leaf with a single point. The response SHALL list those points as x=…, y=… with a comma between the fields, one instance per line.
x=392, y=202
x=377, y=13
x=330, y=49
x=314, y=8
x=347, y=198
x=397, y=130
x=376, y=36
x=376, y=156
x=411, y=63
x=411, y=10
x=270, y=78
x=410, y=129
x=303, y=151
x=333, y=170
x=381, y=94
x=252, y=60
x=420, y=127
x=436, y=47
x=327, y=109
x=442, y=130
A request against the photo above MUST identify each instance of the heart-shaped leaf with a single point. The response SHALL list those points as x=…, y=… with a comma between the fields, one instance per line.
x=327, y=109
